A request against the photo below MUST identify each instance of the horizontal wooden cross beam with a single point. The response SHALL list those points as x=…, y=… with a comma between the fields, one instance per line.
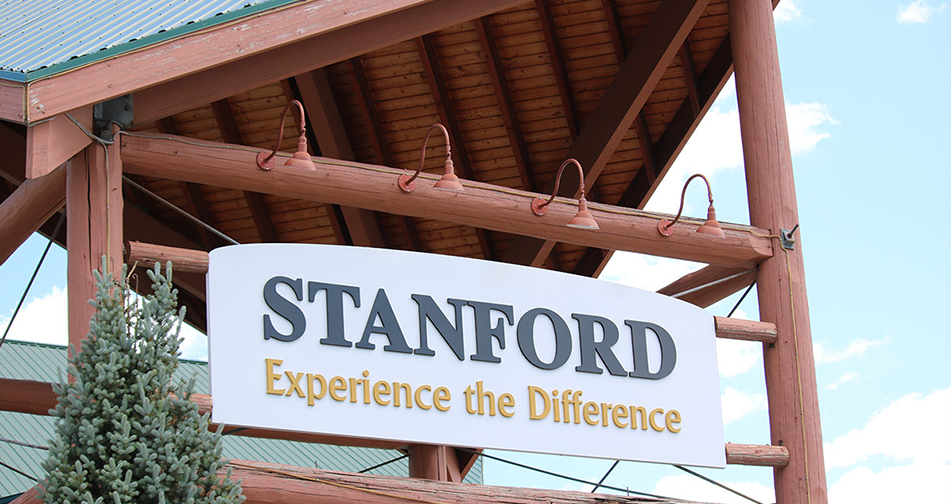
x=479, y=205
x=37, y=398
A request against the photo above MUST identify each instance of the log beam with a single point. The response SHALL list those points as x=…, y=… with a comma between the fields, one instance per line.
x=30, y=205
x=331, y=135
x=622, y=102
x=51, y=143
x=557, y=60
x=193, y=195
x=789, y=363
x=710, y=284
x=94, y=215
x=37, y=398
x=503, y=96
x=366, y=33
x=437, y=86
x=480, y=205
x=255, y=200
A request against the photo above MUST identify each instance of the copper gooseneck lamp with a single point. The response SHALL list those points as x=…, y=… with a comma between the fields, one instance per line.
x=300, y=159
x=583, y=219
x=449, y=180
x=711, y=227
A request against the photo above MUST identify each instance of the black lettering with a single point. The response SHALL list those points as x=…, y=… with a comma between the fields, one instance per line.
x=286, y=309
x=668, y=352
x=452, y=335
x=390, y=326
x=335, y=293
x=526, y=338
x=589, y=347
x=485, y=332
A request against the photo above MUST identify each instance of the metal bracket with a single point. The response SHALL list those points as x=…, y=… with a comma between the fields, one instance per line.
x=787, y=241
x=118, y=110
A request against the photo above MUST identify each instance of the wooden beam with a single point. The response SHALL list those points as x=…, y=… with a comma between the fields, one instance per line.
x=747, y=330
x=437, y=86
x=12, y=101
x=193, y=195
x=94, y=213
x=255, y=200
x=562, y=80
x=37, y=398
x=781, y=289
x=622, y=102
x=480, y=205
x=503, y=96
x=30, y=205
x=690, y=76
x=709, y=284
x=378, y=139
x=211, y=47
x=187, y=260
x=615, y=29
x=331, y=135
x=51, y=143
x=757, y=455
x=369, y=31
x=647, y=147
x=679, y=130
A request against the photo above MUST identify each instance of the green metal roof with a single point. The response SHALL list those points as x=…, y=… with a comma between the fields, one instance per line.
x=45, y=37
x=42, y=362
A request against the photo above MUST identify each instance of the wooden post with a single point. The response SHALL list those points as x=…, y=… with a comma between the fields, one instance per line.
x=434, y=462
x=789, y=363
x=94, y=229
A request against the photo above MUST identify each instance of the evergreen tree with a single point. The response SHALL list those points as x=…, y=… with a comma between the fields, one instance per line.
x=125, y=432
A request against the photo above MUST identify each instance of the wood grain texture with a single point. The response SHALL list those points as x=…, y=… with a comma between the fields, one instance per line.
x=12, y=101
x=748, y=330
x=480, y=205
x=375, y=27
x=30, y=205
x=789, y=363
x=710, y=284
x=52, y=143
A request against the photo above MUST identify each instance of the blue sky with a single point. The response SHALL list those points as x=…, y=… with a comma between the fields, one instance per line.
x=869, y=109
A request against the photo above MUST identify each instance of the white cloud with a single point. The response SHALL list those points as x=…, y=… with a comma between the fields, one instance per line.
x=716, y=146
x=41, y=319
x=194, y=344
x=859, y=346
x=846, y=378
x=917, y=12
x=914, y=428
x=735, y=357
x=920, y=482
x=737, y=404
x=692, y=488
x=786, y=11
x=644, y=271
x=803, y=121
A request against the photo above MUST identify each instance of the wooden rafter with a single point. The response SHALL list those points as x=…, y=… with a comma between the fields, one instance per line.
x=710, y=284
x=622, y=102
x=28, y=207
x=51, y=143
x=366, y=34
x=378, y=140
x=562, y=80
x=255, y=200
x=690, y=76
x=503, y=95
x=615, y=28
x=480, y=205
x=192, y=193
x=214, y=46
x=437, y=86
x=354, y=226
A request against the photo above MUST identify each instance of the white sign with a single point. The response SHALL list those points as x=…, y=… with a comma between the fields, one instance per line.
x=438, y=349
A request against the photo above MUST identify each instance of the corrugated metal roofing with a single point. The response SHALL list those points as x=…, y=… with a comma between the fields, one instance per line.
x=37, y=35
x=35, y=361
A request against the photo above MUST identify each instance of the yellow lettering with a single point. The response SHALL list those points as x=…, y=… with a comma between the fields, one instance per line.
x=366, y=387
x=295, y=383
x=419, y=401
x=642, y=413
x=441, y=394
x=381, y=388
x=672, y=419
x=532, y=411
x=619, y=414
x=310, y=388
x=272, y=377
x=506, y=400
x=590, y=408
x=354, y=382
x=396, y=394
x=337, y=384
x=655, y=411
x=605, y=408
